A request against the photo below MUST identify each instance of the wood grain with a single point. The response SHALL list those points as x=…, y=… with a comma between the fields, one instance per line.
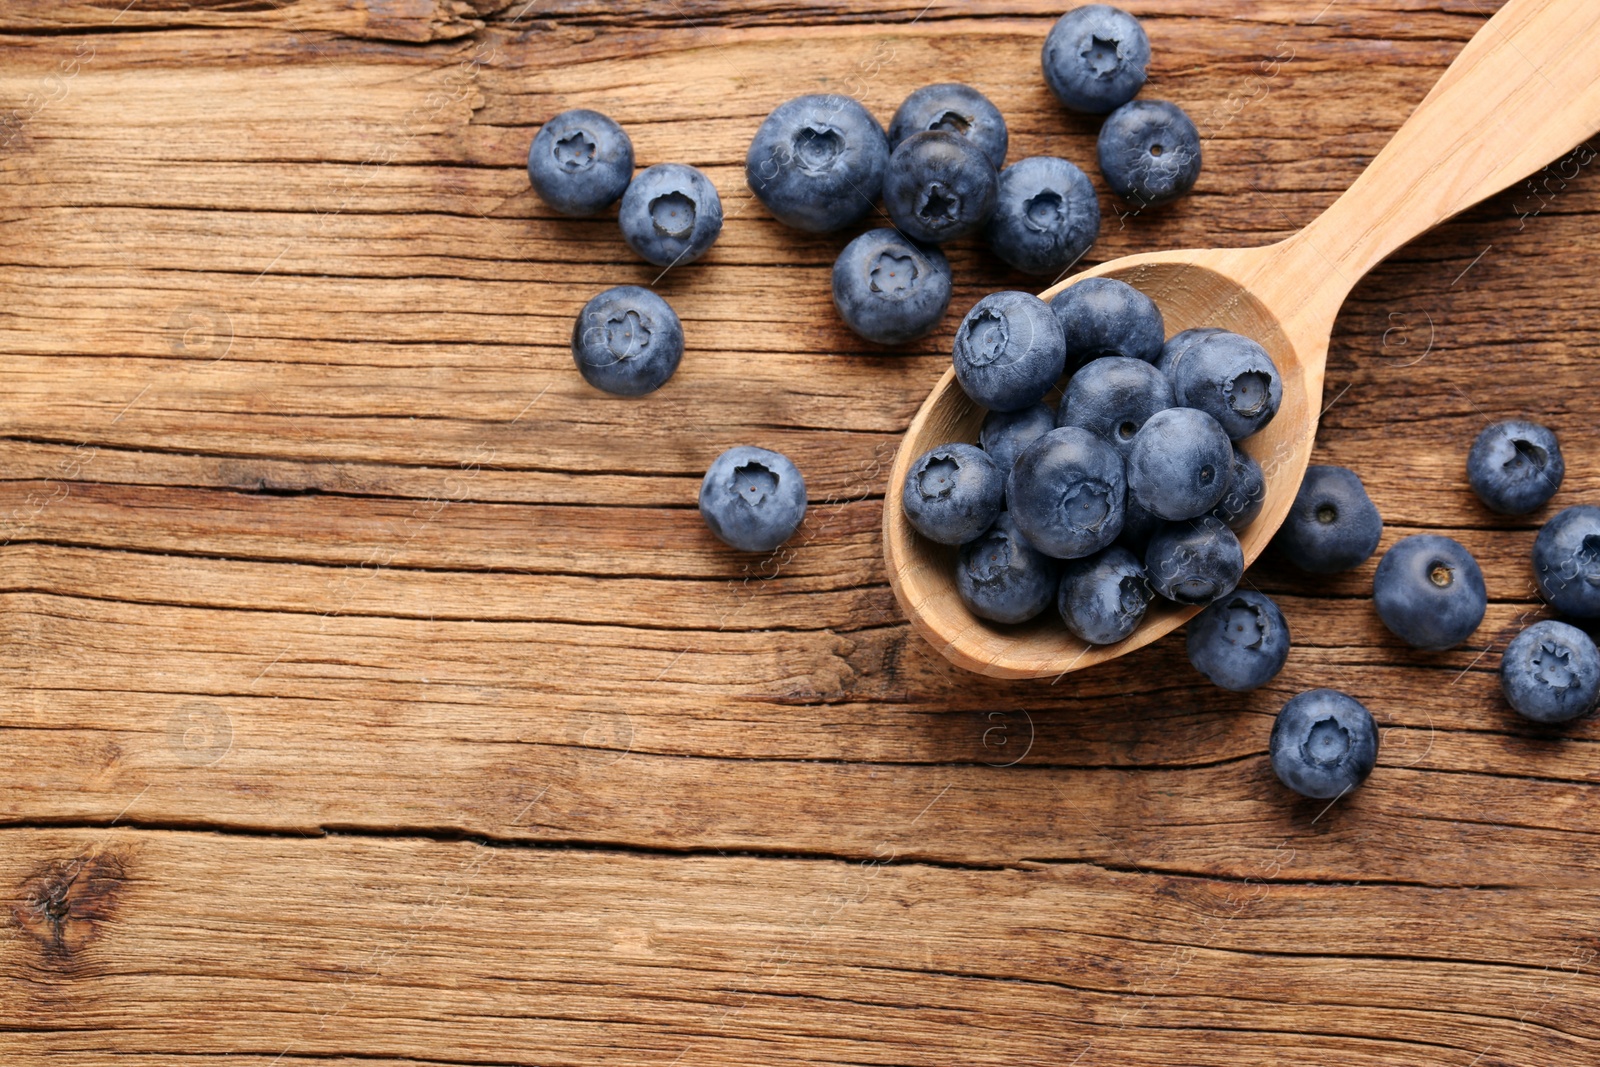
x=565, y=956
x=373, y=693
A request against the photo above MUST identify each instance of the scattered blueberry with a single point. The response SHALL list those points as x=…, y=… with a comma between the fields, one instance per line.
x=1009, y=351
x=818, y=162
x=1194, y=562
x=1179, y=463
x=1429, y=591
x=1103, y=598
x=1515, y=467
x=1240, y=641
x=1066, y=493
x=1006, y=433
x=580, y=162
x=1149, y=152
x=1113, y=397
x=1566, y=561
x=1104, y=317
x=1332, y=525
x=1323, y=744
x=1551, y=672
x=753, y=498
x=1094, y=58
x=1003, y=578
x=952, y=493
x=1046, y=215
x=1178, y=344
x=940, y=186
x=1232, y=379
x=953, y=108
x=888, y=289
x=670, y=214
x=627, y=341
x=1247, y=491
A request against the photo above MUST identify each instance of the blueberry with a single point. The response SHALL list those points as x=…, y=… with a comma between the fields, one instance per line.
x=1566, y=561
x=1009, y=351
x=1046, y=215
x=580, y=162
x=1178, y=344
x=1149, y=152
x=753, y=498
x=1104, y=317
x=1066, y=493
x=1194, y=562
x=817, y=162
x=670, y=214
x=1230, y=378
x=953, y=108
x=888, y=289
x=1006, y=433
x=1094, y=58
x=1240, y=641
x=1247, y=491
x=1429, y=591
x=1323, y=744
x=1103, y=598
x=940, y=186
x=1179, y=463
x=1551, y=672
x=1003, y=578
x=1332, y=525
x=1113, y=397
x=952, y=493
x=1515, y=467
x=627, y=341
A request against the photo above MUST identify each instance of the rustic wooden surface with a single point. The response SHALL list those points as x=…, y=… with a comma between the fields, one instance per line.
x=372, y=692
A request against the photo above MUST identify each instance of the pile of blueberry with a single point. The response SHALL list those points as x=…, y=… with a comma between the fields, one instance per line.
x=1134, y=486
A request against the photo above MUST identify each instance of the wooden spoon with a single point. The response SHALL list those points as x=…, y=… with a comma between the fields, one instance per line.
x=1524, y=90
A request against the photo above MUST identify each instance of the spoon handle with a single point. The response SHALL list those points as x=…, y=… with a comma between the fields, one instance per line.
x=1524, y=90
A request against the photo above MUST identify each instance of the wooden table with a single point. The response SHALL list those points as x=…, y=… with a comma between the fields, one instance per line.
x=373, y=693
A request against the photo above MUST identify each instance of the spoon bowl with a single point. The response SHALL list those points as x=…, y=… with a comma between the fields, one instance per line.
x=1520, y=94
